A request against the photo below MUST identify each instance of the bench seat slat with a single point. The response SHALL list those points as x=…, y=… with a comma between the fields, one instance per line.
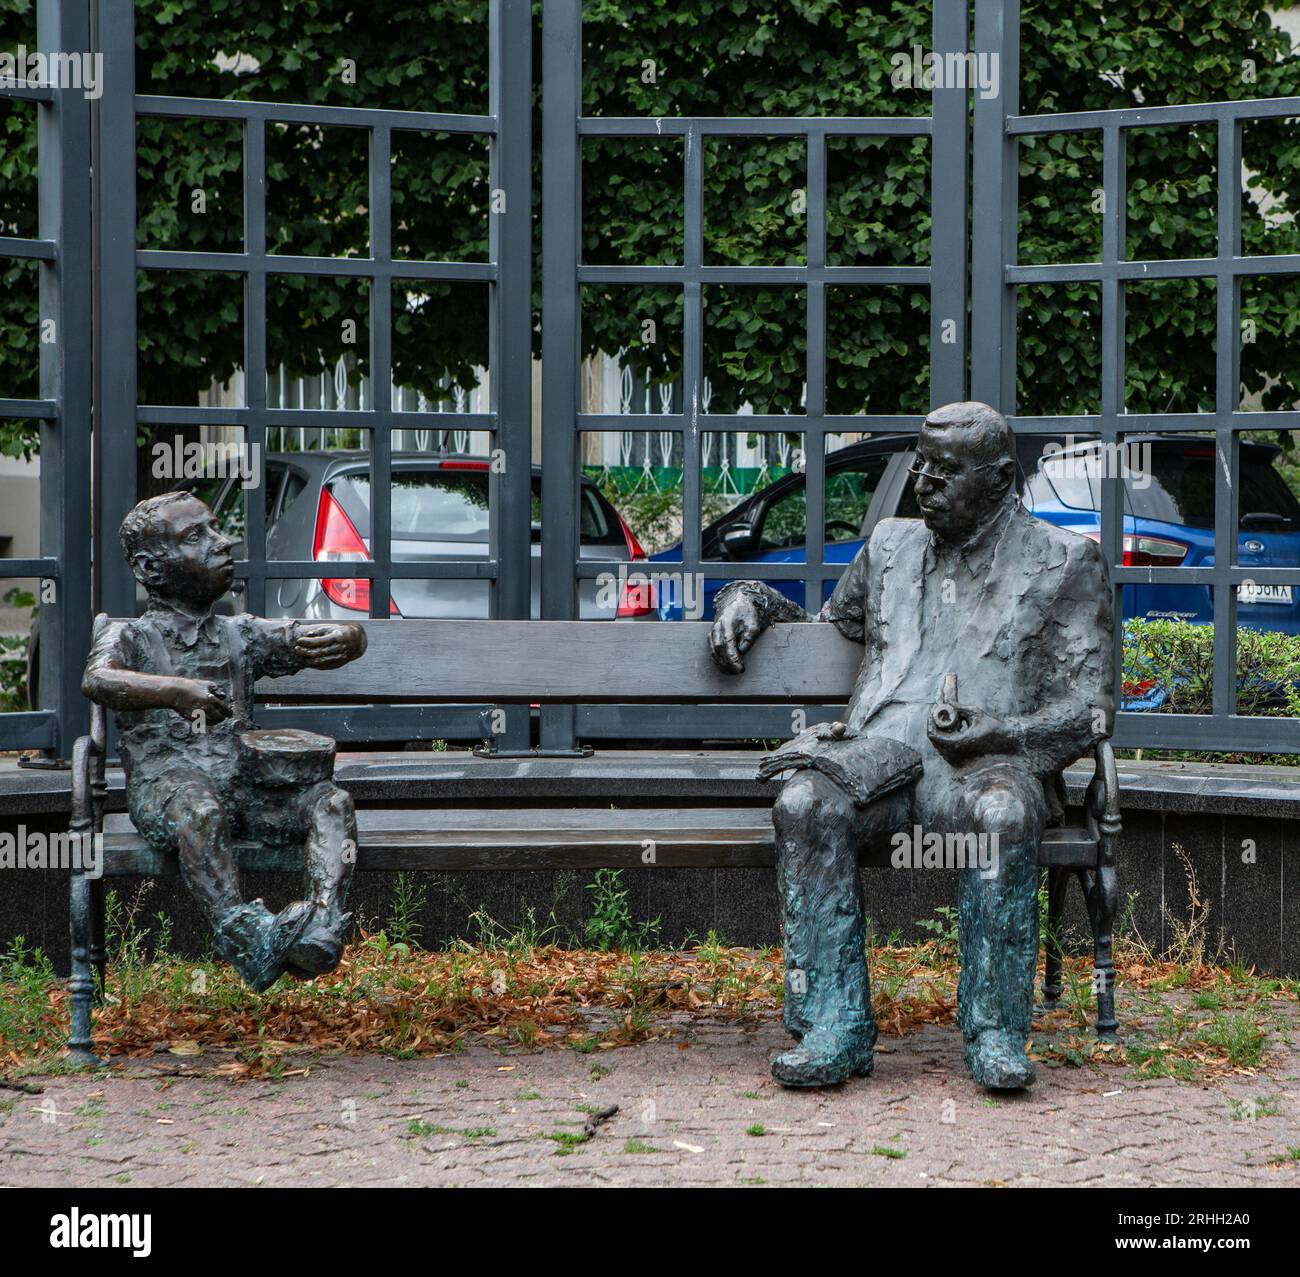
x=550, y=839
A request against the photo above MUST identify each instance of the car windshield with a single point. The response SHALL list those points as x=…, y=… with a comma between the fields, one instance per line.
x=598, y=521
x=1172, y=483
x=440, y=505
x=849, y=488
x=452, y=505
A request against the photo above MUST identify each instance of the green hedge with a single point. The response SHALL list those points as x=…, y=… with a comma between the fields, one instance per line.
x=1178, y=658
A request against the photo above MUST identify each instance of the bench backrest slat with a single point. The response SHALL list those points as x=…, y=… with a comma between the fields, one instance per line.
x=585, y=661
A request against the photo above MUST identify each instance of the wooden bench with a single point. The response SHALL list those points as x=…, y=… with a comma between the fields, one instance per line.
x=567, y=821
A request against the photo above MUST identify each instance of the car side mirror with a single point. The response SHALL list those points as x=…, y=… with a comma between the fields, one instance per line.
x=739, y=541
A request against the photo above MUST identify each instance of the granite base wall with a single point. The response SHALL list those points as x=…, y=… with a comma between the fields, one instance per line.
x=1254, y=906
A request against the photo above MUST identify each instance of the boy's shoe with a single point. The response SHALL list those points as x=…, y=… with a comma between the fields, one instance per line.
x=254, y=940
x=319, y=947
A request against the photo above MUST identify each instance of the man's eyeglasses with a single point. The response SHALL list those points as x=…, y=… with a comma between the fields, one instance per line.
x=944, y=477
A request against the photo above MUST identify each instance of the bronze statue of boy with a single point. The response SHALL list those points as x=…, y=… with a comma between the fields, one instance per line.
x=198, y=775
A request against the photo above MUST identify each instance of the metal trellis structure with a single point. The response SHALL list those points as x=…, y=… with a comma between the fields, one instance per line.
x=90, y=236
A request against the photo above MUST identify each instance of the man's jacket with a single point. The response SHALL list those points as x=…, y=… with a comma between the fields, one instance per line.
x=1029, y=633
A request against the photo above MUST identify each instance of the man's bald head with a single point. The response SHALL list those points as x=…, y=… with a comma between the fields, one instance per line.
x=966, y=468
x=983, y=431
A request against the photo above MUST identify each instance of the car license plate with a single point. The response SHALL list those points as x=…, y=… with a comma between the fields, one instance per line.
x=1257, y=592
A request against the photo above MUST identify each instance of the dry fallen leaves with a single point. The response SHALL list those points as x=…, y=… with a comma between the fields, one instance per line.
x=427, y=1002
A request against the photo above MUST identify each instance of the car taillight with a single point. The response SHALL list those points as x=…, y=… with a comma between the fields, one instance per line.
x=1153, y=552
x=635, y=599
x=636, y=596
x=337, y=541
x=1149, y=552
x=634, y=550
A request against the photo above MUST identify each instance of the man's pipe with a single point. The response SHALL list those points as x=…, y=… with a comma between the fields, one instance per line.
x=944, y=717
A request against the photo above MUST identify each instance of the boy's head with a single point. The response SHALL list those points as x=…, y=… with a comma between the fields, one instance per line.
x=177, y=549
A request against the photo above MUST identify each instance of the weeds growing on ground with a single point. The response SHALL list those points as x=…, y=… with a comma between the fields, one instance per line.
x=611, y=925
x=409, y=900
x=27, y=1017
x=1188, y=941
x=943, y=928
x=523, y=992
x=530, y=934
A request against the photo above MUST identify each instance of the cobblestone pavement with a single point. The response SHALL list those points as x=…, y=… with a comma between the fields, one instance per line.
x=696, y=1109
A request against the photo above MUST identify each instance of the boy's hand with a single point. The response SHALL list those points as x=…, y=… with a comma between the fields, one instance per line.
x=328, y=645
x=212, y=699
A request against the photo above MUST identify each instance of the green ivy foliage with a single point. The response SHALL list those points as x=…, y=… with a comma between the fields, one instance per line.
x=711, y=57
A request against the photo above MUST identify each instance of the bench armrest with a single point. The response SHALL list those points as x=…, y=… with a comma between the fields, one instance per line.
x=89, y=786
x=1101, y=802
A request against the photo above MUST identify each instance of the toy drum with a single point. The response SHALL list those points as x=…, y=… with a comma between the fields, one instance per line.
x=287, y=758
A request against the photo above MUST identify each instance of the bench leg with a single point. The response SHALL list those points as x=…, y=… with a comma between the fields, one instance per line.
x=81, y=987
x=97, y=955
x=1101, y=887
x=1058, y=880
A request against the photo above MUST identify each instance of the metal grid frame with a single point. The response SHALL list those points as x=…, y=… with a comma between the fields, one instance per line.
x=563, y=274
x=62, y=250
x=995, y=276
x=69, y=228
x=508, y=128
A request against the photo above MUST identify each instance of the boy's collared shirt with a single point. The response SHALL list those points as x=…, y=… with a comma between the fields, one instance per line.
x=231, y=651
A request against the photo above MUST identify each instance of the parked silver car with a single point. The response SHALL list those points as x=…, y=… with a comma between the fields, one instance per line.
x=318, y=508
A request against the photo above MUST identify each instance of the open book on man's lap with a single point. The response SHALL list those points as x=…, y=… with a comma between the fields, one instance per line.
x=864, y=767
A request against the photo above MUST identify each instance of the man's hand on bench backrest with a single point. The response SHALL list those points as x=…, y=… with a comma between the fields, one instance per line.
x=742, y=611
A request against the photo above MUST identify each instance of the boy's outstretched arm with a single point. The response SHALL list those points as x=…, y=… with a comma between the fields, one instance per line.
x=275, y=648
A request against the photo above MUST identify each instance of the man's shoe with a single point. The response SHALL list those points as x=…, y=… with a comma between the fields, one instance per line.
x=825, y=1058
x=997, y=1059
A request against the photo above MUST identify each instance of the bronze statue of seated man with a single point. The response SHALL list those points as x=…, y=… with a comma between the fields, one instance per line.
x=1015, y=616
x=198, y=775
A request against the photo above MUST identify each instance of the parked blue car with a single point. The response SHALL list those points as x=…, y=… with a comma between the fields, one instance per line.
x=1168, y=522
